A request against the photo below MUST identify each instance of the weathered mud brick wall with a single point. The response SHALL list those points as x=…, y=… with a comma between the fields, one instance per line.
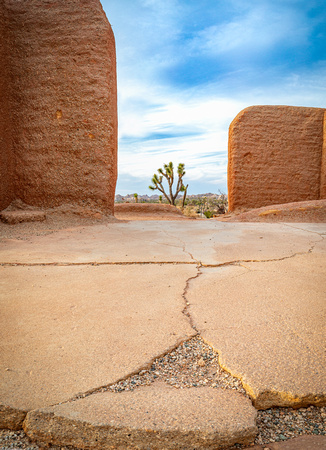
x=323, y=164
x=6, y=192
x=275, y=156
x=63, y=103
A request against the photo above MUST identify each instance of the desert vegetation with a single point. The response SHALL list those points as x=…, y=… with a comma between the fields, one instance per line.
x=168, y=174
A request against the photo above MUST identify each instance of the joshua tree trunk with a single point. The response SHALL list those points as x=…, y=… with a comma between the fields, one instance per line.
x=184, y=196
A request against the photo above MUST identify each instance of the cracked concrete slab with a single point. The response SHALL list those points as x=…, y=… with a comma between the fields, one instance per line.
x=209, y=242
x=268, y=323
x=70, y=326
x=95, y=244
x=66, y=330
x=213, y=243
x=155, y=416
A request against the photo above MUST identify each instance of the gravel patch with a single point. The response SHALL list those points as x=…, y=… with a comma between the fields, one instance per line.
x=193, y=364
x=281, y=424
x=18, y=439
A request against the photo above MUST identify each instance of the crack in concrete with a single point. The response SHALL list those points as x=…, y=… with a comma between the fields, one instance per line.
x=322, y=235
x=129, y=263
x=183, y=246
x=94, y=263
x=146, y=366
x=136, y=372
x=240, y=261
x=185, y=310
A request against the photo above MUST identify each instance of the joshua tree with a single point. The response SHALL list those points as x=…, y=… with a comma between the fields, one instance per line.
x=160, y=198
x=136, y=197
x=184, y=196
x=168, y=173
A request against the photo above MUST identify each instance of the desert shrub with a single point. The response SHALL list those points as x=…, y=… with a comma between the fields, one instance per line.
x=208, y=214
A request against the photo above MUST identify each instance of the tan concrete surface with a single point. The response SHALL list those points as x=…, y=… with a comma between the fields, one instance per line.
x=155, y=416
x=67, y=330
x=210, y=242
x=70, y=326
x=300, y=443
x=268, y=323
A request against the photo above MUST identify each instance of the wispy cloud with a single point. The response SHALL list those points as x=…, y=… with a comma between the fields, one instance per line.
x=259, y=30
x=180, y=128
x=186, y=68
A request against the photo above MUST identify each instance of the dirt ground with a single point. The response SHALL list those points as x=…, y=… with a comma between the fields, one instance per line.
x=70, y=217
x=310, y=211
x=147, y=211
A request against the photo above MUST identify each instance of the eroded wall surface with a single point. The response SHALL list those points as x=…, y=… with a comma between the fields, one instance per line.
x=63, y=103
x=6, y=155
x=275, y=156
x=323, y=164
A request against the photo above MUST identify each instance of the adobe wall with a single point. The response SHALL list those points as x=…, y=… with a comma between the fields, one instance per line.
x=275, y=156
x=323, y=164
x=6, y=156
x=63, y=103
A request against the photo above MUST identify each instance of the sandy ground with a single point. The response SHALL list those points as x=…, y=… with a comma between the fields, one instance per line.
x=68, y=217
x=147, y=211
x=313, y=211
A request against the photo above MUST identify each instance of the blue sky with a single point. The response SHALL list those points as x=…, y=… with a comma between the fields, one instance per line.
x=186, y=68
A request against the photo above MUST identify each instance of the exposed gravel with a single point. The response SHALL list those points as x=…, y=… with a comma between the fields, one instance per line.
x=18, y=439
x=280, y=424
x=192, y=364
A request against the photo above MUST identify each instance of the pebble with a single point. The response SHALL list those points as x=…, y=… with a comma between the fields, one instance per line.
x=192, y=364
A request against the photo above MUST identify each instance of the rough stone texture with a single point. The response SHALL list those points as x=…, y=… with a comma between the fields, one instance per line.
x=323, y=164
x=13, y=217
x=155, y=416
x=6, y=157
x=275, y=156
x=11, y=418
x=62, y=135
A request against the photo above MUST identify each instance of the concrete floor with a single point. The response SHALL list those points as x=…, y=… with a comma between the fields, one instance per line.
x=85, y=307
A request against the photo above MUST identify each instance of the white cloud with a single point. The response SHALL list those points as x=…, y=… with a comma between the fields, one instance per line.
x=195, y=120
x=203, y=119
x=196, y=130
x=259, y=29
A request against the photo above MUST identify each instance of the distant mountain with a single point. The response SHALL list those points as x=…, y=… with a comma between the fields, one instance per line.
x=129, y=198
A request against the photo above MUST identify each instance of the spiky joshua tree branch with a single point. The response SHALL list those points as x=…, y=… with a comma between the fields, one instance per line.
x=168, y=174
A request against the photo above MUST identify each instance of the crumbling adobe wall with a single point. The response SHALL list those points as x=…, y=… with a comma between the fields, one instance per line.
x=275, y=156
x=6, y=156
x=323, y=164
x=63, y=103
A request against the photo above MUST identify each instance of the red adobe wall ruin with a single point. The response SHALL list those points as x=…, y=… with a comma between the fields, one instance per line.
x=6, y=158
x=276, y=155
x=59, y=118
